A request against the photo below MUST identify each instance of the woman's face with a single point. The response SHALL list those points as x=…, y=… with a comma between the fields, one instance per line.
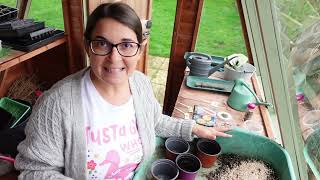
x=112, y=69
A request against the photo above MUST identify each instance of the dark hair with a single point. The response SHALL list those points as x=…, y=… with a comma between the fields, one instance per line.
x=120, y=12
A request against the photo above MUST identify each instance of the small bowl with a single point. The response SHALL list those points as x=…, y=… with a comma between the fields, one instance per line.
x=253, y=126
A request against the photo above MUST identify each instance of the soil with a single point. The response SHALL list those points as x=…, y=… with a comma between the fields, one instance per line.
x=234, y=167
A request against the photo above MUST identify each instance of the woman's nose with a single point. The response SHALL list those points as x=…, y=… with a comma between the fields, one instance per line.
x=114, y=55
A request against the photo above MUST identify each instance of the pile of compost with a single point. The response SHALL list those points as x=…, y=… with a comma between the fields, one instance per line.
x=235, y=167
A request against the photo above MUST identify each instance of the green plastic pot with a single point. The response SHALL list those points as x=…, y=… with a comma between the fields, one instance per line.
x=259, y=147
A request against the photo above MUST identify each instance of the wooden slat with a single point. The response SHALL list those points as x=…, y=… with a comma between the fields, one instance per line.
x=263, y=110
x=74, y=28
x=3, y=75
x=19, y=56
x=24, y=7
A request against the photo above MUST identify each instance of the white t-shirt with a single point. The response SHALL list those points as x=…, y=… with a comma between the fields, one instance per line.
x=114, y=147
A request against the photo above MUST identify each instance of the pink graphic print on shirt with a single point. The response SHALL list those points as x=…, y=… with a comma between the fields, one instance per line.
x=111, y=150
x=114, y=170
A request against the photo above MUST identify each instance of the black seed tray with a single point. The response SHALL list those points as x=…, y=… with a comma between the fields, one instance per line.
x=16, y=24
x=31, y=45
x=7, y=34
x=33, y=37
x=41, y=34
x=7, y=13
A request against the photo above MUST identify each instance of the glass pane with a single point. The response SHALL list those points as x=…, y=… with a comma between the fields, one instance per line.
x=220, y=30
x=300, y=39
x=10, y=3
x=49, y=11
x=163, y=15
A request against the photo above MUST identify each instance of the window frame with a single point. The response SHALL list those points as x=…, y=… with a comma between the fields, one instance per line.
x=263, y=31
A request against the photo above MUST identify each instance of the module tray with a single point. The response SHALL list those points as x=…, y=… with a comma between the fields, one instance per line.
x=203, y=83
x=29, y=47
x=7, y=13
x=25, y=28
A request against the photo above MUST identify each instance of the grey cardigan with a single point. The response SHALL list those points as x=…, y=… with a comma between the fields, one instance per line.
x=55, y=146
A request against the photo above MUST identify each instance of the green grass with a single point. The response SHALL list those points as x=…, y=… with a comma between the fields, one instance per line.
x=49, y=11
x=163, y=15
x=220, y=30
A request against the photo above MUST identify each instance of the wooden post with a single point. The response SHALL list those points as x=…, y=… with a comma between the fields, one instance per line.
x=24, y=7
x=185, y=32
x=74, y=29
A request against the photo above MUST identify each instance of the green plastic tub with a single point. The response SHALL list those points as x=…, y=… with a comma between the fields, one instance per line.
x=259, y=147
x=17, y=109
x=242, y=143
x=311, y=152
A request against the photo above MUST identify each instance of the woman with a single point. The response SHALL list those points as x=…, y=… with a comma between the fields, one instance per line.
x=101, y=122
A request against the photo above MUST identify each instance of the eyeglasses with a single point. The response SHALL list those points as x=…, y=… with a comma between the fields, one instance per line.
x=103, y=47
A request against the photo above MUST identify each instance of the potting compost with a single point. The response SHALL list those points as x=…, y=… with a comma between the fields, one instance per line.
x=235, y=167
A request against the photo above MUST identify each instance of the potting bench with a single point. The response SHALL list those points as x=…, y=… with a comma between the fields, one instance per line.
x=191, y=97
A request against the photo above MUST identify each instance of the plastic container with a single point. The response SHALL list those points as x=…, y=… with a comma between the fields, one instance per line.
x=253, y=126
x=175, y=146
x=259, y=147
x=312, y=119
x=244, y=72
x=31, y=45
x=18, y=110
x=164, y=169
x=207, y=151
x=7, y=13
x=242, y=143
x=250, y=110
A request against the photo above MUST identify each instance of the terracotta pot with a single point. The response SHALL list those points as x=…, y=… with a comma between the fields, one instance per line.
x=207, y=152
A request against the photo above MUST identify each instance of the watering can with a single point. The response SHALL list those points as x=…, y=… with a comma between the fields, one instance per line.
x=241, y=95
x=200, y=64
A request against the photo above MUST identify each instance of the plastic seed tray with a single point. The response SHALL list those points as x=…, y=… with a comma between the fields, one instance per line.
x=29, y=45
x=7, y=13
x=17, y=110
x=203, y=83
x=18, y=28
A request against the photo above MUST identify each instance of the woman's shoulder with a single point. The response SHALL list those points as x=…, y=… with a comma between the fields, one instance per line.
x=64, y=88
x=69, y=81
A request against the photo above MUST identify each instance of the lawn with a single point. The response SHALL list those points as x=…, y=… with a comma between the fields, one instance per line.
x=220, y=30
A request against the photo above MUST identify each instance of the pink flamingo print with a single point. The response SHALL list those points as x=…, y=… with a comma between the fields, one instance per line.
x=114, y=170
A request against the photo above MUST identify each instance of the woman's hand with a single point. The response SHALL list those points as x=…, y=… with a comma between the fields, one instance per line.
x=209, y=132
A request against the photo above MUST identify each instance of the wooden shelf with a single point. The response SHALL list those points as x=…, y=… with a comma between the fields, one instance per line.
x=16, y=57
